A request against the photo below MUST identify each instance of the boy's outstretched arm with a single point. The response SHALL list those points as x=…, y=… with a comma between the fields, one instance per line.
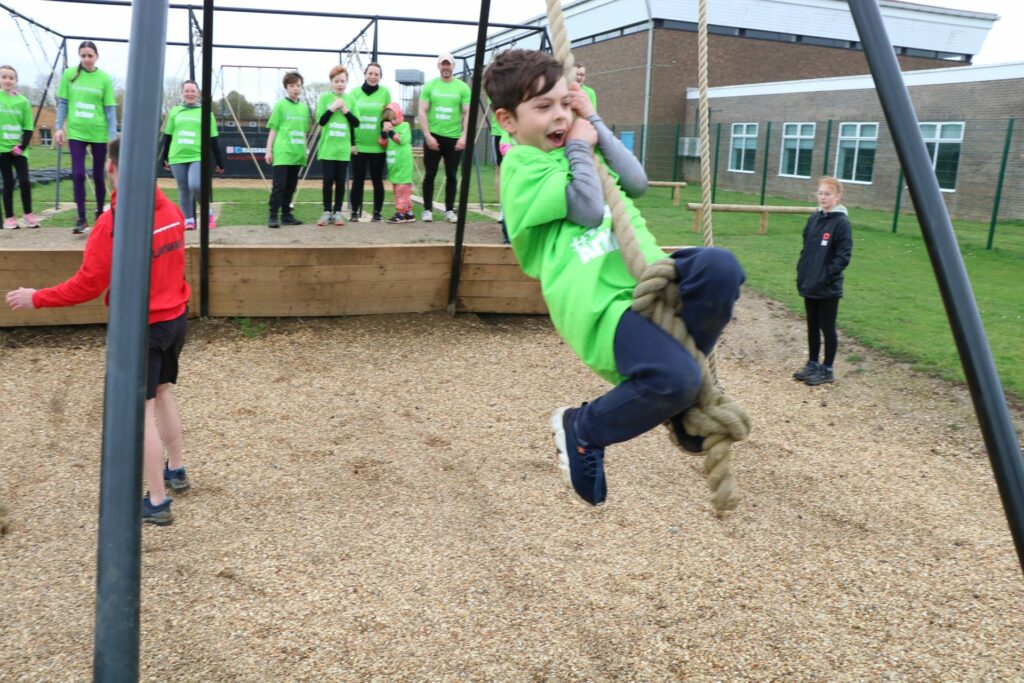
x=584, y=198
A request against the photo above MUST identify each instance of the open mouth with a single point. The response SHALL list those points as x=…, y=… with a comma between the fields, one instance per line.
x=556, y=138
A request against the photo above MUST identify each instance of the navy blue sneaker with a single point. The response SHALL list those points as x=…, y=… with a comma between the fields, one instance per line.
x=177, y=479
x=582, y=466
x=808, y=370
x=679, y=436
x=157, y=514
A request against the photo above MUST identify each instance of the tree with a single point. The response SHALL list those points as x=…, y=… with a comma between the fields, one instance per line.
x=242, y=107
x=172, y=93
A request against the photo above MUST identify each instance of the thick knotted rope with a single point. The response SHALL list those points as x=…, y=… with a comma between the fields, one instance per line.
x=716, y=417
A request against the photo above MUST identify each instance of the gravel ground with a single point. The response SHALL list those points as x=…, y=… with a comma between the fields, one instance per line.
x=374, y=499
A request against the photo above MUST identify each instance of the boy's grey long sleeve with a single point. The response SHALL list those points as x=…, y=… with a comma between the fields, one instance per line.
x=632, y=177
x=584, y=197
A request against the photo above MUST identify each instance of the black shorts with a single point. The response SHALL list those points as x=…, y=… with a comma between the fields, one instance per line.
x=165, y=341
x=497, y=148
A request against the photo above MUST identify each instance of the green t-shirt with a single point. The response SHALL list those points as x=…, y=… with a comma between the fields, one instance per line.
x=184, y=125
x=591, y=94
x=291, y=121
x=399, y=155
x=15, y=118
x=367, y=109
x=583, y=278
x=87, y=97
x=336, y=136
x=445, y=100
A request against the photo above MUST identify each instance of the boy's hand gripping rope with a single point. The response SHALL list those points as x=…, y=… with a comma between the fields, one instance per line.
x=716, y=417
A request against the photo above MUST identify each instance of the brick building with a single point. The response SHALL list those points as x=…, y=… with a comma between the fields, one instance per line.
x=785, y=134
x=44, y=125
x=642, y=63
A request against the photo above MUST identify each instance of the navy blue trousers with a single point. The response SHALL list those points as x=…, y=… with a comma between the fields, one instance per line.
x=662, y=378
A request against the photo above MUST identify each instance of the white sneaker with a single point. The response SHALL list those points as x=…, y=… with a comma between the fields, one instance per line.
x=451, y=217
x=325, y=218
x=427, y=217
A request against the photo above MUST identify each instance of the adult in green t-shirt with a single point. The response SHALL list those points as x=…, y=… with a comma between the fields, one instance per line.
x=15, y=134
x=444, y=106
x=85, y=102
x=334, y=114
x=367, y=103
x=581, y=78
x=286, y=149
x=182, y=150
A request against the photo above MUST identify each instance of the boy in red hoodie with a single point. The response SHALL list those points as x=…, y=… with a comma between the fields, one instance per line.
x=168, y=316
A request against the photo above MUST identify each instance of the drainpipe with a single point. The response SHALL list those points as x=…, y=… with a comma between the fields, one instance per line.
x=647, y=84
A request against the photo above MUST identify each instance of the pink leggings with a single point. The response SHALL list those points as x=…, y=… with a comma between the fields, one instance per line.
x=403, y=197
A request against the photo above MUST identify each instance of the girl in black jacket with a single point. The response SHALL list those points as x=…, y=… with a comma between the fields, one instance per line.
x=828, y=244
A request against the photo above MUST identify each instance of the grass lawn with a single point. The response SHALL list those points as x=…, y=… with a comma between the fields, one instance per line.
x=892, y=301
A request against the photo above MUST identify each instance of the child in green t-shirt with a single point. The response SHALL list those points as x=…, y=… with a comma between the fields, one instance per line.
x=561, y=233
x=286, y=149
x=15, y=133
x=396, y=138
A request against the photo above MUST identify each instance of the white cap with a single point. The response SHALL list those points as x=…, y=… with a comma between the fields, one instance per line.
x=446, y=57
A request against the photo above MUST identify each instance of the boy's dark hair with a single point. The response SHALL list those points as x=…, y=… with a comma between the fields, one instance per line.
x=292, y=77
x=515, y=76
x=114, y=150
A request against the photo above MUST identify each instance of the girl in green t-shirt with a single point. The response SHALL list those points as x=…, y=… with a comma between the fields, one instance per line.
x=337, y=122
x=15, y=134
x=396, y=138
x=85, y=102
x=181, y=150
x=368, y=101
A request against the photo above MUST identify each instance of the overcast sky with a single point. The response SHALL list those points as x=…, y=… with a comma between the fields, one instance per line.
x=1003, y=44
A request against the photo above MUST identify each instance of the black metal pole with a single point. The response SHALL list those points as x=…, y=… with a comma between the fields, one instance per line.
x=961, y=308
x=206, y=165
x=118, y=570
x=467, y=154
x=46, y=91
x=56, y=185
x=191, y=47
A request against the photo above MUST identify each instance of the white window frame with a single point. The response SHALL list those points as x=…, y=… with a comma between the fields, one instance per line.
x=858, y=138
x=938, y=140
x=798, y=137
x=743, y=136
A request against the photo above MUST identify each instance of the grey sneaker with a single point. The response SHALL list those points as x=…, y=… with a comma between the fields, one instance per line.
x=427, y=217
x=808, y=370
x=451, y=216
x=325, y=218
x=337, y=218
x=177, y=479
x=820, y=376
x=157, y=514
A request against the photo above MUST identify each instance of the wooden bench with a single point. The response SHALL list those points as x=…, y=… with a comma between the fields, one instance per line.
x=746, y=208
x=677, y=187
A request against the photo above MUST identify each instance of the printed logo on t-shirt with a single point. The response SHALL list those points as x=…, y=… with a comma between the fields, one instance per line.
x=595, y=243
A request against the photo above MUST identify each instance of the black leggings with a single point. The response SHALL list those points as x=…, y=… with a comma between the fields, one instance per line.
x=286, y=179
x=360, y=162
x=431, y=160
x=821, y=320
x=20, y=165
x=335, y=173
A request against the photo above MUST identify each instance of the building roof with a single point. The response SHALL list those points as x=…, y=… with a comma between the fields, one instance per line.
x=943, y=76
x=922, y=27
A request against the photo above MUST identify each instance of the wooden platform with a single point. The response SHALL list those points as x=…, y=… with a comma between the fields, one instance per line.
x=276, y=280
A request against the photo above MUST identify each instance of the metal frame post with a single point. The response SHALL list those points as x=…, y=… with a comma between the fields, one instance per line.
x=191, y=46
x=999, y=183
x=975, y=354
x=60, y=148
x=119, y=565
x=206, y=178
x=467, y=155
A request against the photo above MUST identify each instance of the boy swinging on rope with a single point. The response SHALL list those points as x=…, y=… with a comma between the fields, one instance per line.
x=561, y=233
